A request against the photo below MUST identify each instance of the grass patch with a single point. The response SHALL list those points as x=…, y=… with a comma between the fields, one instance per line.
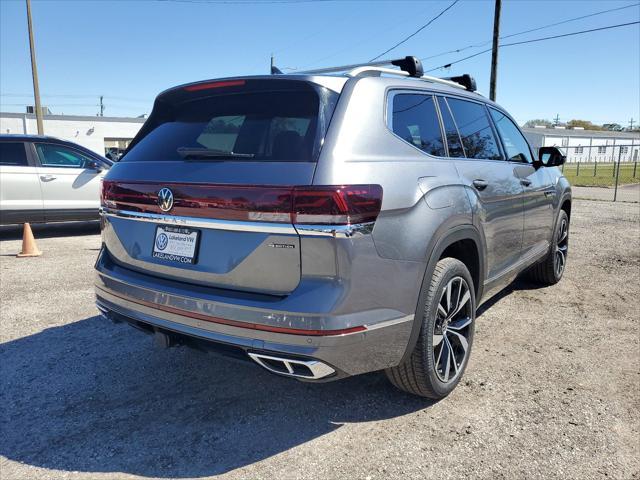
x=600, y=174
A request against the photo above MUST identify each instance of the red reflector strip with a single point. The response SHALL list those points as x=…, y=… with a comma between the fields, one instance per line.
x=207, y=86
x=251, y=326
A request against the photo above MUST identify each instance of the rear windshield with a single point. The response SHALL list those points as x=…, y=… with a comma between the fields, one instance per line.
x=265, y=126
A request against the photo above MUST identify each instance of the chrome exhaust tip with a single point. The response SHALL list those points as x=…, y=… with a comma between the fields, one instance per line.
x=307, y=369
x=106, y=314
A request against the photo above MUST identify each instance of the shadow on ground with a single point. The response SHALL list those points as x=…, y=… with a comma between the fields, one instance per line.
x=50, y=230
x=521, y=283
x=91, y=396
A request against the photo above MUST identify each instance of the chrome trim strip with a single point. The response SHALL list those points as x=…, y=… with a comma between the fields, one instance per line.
x=213, y=223
x=318, y=369
x=390, y=323
x=531, y=257
x=339, y=231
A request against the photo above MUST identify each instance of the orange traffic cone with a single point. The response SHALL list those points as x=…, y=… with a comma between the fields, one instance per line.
x=29, y=247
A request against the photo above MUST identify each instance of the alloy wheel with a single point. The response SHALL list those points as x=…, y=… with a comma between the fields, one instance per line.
x=561, y=247
x=451, y=329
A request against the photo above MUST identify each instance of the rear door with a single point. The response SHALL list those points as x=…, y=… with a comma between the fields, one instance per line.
x=494, y=184
x=217, y=161
x=20, y=194
x=70, y=183
x=539, y=192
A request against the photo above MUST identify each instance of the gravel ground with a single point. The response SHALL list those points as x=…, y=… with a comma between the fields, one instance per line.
x=552, y=389
x=626, y=193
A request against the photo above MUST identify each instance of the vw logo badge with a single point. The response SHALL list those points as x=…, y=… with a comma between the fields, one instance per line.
x=165, y=199
x=162, y=241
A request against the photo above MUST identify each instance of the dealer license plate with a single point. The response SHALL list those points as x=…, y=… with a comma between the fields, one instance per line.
x=176, y=244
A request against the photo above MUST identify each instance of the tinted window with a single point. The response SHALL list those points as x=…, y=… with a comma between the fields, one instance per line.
x=514, y=143
x=450, y=130
x=475, y=130
x=268, y=126
x=13, y=153
x=58, y=156
x=415, y=120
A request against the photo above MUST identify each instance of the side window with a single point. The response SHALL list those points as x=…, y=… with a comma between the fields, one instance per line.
x=475, y=130
x=59, y=156
x=414, y=119
x=450, y=130
x=514, y=143
x=13, y=154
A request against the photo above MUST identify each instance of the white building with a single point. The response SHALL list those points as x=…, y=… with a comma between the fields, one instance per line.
x=95, y=133
x=587, y=145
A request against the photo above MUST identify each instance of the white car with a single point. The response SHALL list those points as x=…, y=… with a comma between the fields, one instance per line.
x=45, y=179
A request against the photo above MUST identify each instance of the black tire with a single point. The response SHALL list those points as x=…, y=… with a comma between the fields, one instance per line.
x=549, y=271
x=422, y=373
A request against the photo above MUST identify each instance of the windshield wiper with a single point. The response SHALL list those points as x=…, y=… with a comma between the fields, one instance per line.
x=205, y=153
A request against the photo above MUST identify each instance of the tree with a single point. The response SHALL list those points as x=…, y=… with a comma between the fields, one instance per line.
x=586, y=124
x=533, y=123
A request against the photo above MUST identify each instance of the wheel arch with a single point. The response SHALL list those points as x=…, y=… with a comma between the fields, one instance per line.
x=457, y=243
x=565, y=204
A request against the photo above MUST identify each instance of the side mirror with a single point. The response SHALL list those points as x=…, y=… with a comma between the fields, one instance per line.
x=97, y=166
x=550, y=157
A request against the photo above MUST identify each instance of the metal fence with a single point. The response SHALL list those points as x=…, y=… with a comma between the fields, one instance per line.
x=616, y=180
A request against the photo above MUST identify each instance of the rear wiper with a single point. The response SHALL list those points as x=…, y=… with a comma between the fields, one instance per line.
x=204, y=153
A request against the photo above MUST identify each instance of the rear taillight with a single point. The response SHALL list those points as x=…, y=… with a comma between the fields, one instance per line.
x=336, y=205
x=320, y=205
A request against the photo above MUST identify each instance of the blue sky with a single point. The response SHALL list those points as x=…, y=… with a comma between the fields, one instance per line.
x=131, y=50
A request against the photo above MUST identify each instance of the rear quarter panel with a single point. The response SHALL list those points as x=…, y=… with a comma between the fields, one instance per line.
x=423, y=197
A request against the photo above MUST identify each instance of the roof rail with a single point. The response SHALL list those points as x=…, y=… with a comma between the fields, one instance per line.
x=377, y=71
x=409, y=67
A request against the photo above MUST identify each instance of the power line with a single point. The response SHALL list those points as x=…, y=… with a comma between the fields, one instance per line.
x=570, y=20
x=459, y=50
x=535, y=40
x=267, y=2
x=394, y=24
x=416, y=32
x=108, y=97
x=53, y=104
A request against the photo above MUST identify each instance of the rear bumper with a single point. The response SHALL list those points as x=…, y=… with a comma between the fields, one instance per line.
x=350, y=344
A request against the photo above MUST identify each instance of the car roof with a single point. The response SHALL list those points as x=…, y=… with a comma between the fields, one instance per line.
x=23, y=137
x=336, y=82
x=20, y=137
x=30, y=137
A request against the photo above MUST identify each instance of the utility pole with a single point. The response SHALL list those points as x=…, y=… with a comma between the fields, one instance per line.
x=101, y=106
x=494, y=50
x=631, y=122
x=556, y=121
x=34, y=73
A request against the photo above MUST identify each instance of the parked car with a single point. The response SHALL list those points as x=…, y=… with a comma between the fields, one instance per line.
x=45, y=179
x=328, y=225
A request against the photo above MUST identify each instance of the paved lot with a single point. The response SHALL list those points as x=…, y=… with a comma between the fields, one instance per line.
x=552, y=389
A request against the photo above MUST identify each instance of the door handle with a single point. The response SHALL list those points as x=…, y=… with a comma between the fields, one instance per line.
x=480, y=184
x=525, y=181
x=47, y=178
x=549, y=192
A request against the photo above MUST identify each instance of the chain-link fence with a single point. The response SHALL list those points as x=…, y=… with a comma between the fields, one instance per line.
x=616, y=179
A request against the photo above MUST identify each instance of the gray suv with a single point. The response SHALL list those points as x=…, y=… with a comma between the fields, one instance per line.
x=328, y=225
